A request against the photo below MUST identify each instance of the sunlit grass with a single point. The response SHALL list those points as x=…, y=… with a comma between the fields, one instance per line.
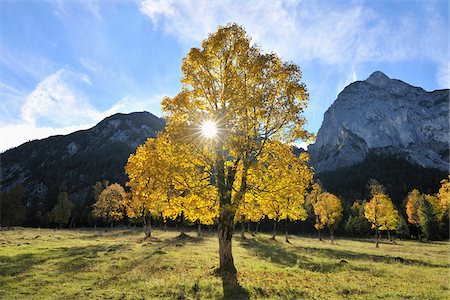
x=118, y=264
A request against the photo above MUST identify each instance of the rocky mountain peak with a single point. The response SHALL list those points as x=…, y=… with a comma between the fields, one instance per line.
x=378, y=78
x=388, y=116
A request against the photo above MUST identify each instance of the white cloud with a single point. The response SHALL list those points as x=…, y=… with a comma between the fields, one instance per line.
x=58, y=106
x=56, y=101
x=334, y=33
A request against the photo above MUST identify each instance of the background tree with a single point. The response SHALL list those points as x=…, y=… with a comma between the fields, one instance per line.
x=12, y=209
x=329, y=209
x=110, y=205
x=166, y=181
x=251, y=100
x=63, y=209
x=402, y=229
x=97, y=189
x=381, y=213
x=442, y=214
x=427, y=218
x=279, y=183
x=413, y=203
x=311, y=198
x=357, y=224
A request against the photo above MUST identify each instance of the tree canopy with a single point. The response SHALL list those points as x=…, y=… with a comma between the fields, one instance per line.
x=253, y=103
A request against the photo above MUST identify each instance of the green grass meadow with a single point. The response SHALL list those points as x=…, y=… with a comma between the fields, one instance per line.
x=119, y=264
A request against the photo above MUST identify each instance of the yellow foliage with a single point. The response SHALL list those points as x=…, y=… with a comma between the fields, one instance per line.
x=247, y=170
x=328, y=208
x=443, y=197
x=413, y=206
x=381, y=213
x=111, y=203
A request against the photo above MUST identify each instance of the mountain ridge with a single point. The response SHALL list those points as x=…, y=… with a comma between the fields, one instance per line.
x=385, y=115
x=77, y=160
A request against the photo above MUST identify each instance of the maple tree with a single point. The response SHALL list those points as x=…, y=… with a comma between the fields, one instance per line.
x=110, y=204
x=443, y=196
x=328, y=208
x=381, y=213
x=253, y=104
x=311, y=198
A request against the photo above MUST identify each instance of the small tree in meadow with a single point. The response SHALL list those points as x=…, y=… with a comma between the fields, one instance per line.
x=63, y=209
x=381, y=213
x=328, y=208
x=111, y=204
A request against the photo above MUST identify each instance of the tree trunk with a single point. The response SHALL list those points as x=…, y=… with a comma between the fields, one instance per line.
x=248, y=227
x=257, y=227
x=199, y=230
x=165, y=226
x=286, y=232
x=112, y=224
x=274, y=232
x=389, y=236
x=331, y=234
x=225, y=232
x=147, y=227
x=182, y=224
x=242, y=230
x=318, y=229
x=377, y=238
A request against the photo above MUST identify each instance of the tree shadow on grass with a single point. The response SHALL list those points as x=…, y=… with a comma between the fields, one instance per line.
x=274, y=252
x=231, y=287
x=350, y=255
x=72, y=259
x=21, y=263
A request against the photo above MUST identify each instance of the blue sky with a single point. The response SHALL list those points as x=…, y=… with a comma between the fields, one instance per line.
x=66, y=65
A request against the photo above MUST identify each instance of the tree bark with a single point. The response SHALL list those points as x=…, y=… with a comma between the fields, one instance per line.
x=377, y=238
x=331, y=234
x=389, y=236
x=242, y=230
x=257, y=227
x=318, y=229
x=147, y=227
x=112, y=224
x=199, y=230
x=248, y=227
x=274, y=232
x=182, y=225
x=286, y=232
x=225, y=231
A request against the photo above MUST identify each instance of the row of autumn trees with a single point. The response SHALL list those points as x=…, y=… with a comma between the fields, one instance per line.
x=428, y=213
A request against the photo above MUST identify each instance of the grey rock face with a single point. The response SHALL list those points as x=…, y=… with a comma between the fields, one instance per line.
x=387, y=116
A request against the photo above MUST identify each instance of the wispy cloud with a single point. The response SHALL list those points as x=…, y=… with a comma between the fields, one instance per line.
x=334, y=33
x=58, y=105
x=55, y=100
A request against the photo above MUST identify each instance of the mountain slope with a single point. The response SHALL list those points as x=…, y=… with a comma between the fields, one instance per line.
x=76, y=161
x=384, y=116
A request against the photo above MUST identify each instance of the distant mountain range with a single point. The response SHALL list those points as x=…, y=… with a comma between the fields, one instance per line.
x=379, y=128
x=76, y=161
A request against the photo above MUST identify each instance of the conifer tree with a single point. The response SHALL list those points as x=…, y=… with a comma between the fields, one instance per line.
x=63, y=209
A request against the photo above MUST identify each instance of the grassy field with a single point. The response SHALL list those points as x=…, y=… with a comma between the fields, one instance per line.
x=118, y=264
